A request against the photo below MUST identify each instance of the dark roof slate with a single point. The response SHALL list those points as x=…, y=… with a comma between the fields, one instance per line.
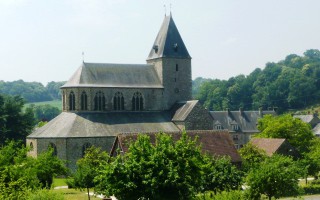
x=168, y=42
x=90, y=124
x=115, y=75
x=246, y=120
x=215, y=143
x=183, y=109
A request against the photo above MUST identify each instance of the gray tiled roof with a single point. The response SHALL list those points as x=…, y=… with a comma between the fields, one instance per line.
x=91, y=124
x=168, y=42
x=183, y=110
x=246, y=120
x=304, y=118
x=115, y=75
x=316, y=130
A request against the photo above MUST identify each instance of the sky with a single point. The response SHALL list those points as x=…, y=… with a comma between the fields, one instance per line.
x=43, y=40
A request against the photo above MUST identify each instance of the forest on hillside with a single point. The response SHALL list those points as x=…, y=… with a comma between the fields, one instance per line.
x=32, y=91
x=292, y=83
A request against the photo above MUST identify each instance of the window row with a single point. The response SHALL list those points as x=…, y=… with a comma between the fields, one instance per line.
x=55, y=152
x=99, y=101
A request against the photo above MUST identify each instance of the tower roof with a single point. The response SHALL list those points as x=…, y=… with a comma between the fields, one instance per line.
x=168, y=42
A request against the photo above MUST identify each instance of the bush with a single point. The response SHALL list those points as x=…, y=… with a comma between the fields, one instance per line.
x=311, y=189
x=44, y=194
x=234, y=195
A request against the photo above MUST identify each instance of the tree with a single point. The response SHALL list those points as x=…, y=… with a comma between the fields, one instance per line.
x=251, y=156
x=297, y=132
x=47, y=166
x=312, y=159
x=15, y=123
x=220, y=175
x=17, y=175
x=277, y=176
x=164, y=169
x=44, y=112
x=88, y=168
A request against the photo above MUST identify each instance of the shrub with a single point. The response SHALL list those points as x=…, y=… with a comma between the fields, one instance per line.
x=44, y=194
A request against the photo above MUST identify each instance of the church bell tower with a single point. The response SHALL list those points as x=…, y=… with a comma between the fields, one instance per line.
x=172, y=62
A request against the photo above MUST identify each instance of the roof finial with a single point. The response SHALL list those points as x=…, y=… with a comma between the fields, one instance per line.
x=170, y=9
x=83, y=57
x=165, y=10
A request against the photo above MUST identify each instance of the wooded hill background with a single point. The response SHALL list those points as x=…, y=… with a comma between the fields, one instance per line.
x=292, y=83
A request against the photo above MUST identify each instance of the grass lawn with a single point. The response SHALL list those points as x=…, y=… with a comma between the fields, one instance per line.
x=72, y=194
x=59, y=182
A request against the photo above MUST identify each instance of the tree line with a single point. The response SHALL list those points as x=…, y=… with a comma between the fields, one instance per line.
x=32, y=91
x=292, y=83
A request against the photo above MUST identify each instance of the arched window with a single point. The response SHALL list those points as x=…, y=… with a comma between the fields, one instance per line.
x=84, y=101
x=118, y=101
x=63, y=101
x=137, y=101
x=53, y=146
x=72, y=101
x=31, y=146
x=99, y=101
x=85, y=147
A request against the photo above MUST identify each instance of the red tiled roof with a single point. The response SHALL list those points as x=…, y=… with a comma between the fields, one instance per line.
x=269, y=145
x=213, y=142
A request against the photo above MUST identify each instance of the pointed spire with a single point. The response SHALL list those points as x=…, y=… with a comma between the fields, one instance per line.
x=168, y=42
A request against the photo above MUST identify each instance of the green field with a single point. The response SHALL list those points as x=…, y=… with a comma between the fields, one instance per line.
x=54, y=103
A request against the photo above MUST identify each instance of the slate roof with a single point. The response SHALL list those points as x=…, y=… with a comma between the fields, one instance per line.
x=215, y=143
x=168, y=42
x=316, y=130
x=183, y=109
x=115, y=75
x=246, y=120
x=90, y=124
x=304, y=118
x=269, y=145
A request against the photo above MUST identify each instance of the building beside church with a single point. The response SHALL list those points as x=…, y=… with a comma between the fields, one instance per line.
x=242, y=125
x=102, y=100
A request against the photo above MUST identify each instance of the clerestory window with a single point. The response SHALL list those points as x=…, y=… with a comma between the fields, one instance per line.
x=137, y=101
x=84, y=101
x=72, y=101
x=99, y=101
x=118, y=101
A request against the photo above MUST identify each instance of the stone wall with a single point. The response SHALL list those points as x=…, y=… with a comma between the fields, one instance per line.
x=69, y=149
x=199, y=119
x=175, y=75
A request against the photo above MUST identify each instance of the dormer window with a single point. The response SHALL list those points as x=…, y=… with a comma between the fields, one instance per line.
x=218, y=127
x=175, y=47
x=155, y=47
x=235, y=127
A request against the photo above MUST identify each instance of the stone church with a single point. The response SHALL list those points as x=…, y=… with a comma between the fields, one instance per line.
x=102, y=100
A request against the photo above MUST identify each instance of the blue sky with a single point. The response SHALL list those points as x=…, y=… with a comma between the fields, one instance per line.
x=43, y=40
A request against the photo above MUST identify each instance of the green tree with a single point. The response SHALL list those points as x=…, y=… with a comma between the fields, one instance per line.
x=251, y=156
x=48, y=165
x=277, y=176
x=297, y=132
x=164, y=170
x=44, y=112
x=15, y=123
x=88, y=168
x=220, y=175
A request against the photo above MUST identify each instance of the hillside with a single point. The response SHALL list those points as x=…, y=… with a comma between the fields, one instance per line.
x=290, y=84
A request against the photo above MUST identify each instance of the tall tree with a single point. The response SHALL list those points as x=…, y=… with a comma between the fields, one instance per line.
x=16, y=123
x=277, y=176
x=297, y=132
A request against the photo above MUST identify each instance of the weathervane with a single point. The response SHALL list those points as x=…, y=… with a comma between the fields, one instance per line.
x=165, y=10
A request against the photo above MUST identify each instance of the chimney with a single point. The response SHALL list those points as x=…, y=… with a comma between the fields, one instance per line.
x=260, y=112
x=241, y=110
